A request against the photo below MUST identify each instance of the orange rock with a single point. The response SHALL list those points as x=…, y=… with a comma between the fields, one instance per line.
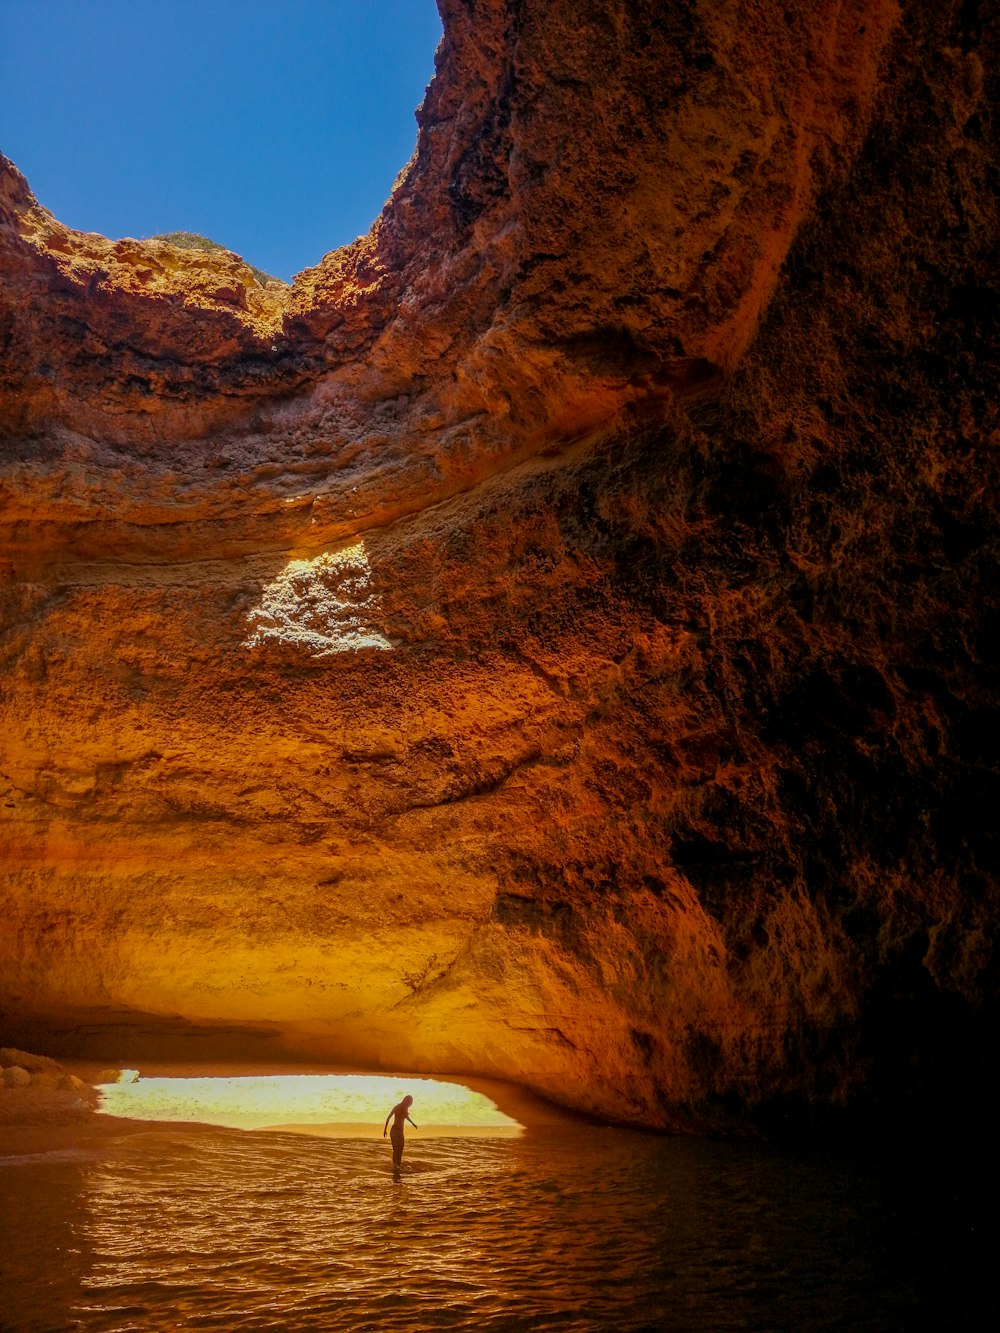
x=496, y=653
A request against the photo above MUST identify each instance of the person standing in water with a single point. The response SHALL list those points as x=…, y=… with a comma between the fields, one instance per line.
x=398, y=1115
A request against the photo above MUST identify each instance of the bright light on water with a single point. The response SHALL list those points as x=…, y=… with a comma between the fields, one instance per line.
x=332, y=1102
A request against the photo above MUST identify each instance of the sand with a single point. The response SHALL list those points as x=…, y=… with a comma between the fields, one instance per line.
x=38, y=1120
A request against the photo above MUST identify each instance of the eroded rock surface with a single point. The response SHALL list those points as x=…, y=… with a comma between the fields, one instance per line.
x=555, y=639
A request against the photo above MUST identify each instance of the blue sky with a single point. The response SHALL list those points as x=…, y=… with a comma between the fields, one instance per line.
x=275, y=127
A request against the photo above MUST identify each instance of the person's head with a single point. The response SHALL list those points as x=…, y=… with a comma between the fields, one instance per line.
x=407, y=1101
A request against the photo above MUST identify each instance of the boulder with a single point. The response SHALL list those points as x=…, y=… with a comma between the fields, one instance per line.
x=46, y=1078
x=26, y=1060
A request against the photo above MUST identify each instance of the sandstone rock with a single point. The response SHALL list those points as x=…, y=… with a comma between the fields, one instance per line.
x=46, y=1078
x=16, y=1077
x=555, y=639
x=26, y=1060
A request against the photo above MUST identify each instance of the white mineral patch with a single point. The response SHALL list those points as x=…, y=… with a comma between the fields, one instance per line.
x=323, y=605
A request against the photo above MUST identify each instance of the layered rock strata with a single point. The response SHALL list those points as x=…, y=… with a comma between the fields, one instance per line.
x=554, y=639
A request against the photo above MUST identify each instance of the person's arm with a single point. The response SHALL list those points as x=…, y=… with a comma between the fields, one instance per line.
x=412, y=1121
x=385, y=1127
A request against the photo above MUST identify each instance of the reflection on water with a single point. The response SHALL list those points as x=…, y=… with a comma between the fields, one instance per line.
x=580, y=1228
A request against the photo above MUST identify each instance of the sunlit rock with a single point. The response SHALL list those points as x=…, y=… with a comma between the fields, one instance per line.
x=319, y=606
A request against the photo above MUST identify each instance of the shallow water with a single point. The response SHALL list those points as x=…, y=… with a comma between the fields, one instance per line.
x=577, y=1228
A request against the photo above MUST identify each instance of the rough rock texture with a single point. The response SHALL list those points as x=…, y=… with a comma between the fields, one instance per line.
x=35, y=1088
x=555, y=639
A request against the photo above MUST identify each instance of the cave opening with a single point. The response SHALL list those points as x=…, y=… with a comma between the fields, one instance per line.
x=322, y=605
x=328, y=1105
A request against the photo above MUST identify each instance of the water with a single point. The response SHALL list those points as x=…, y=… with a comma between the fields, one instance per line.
x=575, y=1228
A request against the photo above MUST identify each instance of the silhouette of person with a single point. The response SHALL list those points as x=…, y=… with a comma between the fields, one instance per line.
x=398, y=1115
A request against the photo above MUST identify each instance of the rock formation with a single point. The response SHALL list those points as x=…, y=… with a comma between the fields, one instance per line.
x=554, y=639
x=22, y=1069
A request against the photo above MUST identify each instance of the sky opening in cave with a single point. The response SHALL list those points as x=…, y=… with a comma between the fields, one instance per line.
x=275, y=130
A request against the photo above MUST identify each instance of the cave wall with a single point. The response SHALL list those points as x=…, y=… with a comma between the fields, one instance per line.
x=555, y=639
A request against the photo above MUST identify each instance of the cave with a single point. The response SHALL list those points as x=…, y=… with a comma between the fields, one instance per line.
x=554, y=640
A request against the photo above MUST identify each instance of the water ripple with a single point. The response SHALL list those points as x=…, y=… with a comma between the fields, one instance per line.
x=575, y=1230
